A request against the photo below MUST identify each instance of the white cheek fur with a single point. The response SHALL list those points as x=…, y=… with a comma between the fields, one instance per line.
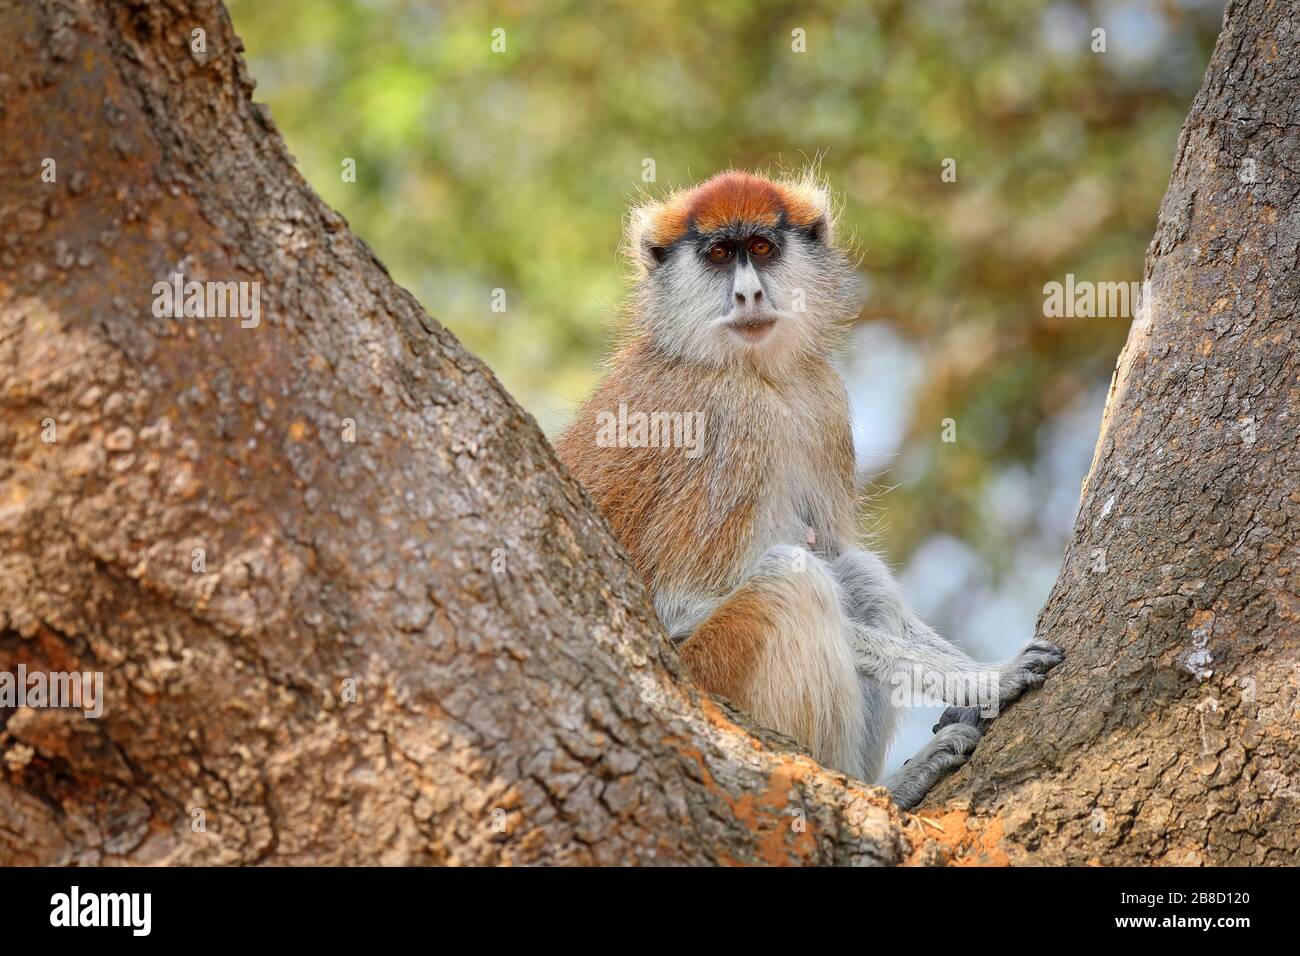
x=684, y=303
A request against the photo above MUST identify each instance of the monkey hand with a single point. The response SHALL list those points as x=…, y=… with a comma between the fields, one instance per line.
x=960, y=715
x=1027, y=669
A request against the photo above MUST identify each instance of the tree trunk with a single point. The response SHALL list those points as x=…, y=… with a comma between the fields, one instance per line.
x=349, y=607
x=516, y=700
x=1169, y=735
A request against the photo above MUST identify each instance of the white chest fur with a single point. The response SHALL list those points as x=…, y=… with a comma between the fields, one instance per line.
x=803, y=497
x=788, y=434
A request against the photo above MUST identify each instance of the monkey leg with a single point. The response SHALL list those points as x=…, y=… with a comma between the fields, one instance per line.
x=948, y=749
x=777, y=647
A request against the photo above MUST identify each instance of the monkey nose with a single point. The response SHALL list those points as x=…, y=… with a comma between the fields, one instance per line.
x=756, y=296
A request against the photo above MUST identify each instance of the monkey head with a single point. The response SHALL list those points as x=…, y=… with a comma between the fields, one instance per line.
x=741, y=268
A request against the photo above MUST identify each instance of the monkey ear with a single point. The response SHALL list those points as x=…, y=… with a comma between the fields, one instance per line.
x=822, y=228
x=642, y=243
x=813, y=206
x=819, y=231
x=649, y=256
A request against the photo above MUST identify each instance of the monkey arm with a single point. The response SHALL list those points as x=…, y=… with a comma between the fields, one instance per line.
x=892, y=645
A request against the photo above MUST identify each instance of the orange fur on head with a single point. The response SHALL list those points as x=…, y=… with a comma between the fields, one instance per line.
x=730, y=197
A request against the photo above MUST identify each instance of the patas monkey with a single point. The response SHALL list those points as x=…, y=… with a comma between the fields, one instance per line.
x=748, y=542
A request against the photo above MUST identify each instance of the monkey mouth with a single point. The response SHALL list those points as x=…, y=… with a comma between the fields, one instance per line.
x=752, y=328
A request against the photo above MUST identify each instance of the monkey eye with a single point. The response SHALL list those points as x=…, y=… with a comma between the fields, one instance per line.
x=720, y=252
x=760, y=248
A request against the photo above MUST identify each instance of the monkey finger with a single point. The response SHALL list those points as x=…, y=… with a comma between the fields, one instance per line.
x=958, y=715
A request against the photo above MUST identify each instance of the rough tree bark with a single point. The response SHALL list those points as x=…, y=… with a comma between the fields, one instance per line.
x=515, y=700
x=1170, y=733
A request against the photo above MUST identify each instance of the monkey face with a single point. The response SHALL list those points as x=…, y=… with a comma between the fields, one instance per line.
x=742, y=269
